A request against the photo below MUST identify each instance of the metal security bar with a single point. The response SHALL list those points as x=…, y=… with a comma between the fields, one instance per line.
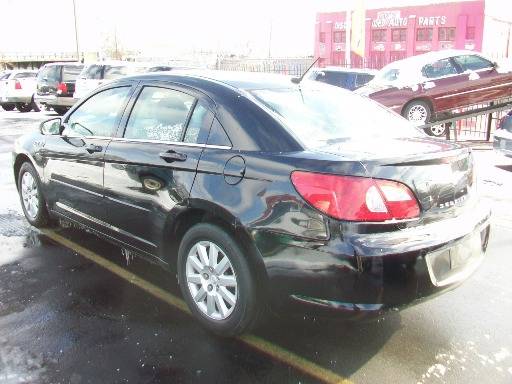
x=476, y=123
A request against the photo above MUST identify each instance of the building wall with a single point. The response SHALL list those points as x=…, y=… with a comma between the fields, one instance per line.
x=396, y=33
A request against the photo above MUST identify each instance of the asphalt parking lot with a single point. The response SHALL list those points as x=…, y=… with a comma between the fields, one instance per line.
x=75, y=309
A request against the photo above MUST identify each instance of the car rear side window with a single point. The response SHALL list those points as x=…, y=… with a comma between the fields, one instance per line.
x=5, y=76
x=25, y=75
x=159, y=114
x=93, y=72
x=98, y=116
x=362, y=79
x=439, y=68
x=50, y=73
x=472, y=62
x=340, y=79
x=218, y=136
x=198, y=125
x=70, y=72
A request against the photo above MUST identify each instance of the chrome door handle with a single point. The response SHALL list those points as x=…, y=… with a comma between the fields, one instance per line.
x=91, y=148
x=171, y=156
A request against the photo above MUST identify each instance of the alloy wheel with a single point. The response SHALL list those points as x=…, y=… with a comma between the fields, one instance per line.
x=438, y=129
x=211, y=280
x=30, y=195
x=417, y=114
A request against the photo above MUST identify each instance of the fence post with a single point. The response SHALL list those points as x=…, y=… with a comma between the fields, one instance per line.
x=489, y=125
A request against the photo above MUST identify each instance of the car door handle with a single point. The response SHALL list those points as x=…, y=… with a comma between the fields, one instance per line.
x=171, y=156
x=91, y=148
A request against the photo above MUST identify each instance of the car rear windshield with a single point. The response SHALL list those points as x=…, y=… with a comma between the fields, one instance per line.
x=92, y=72
x=24, y=75
x=324, y=115
x=50, y=73
x=71, y=72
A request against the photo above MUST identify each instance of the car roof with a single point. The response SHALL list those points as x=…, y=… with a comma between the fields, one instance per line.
x=233, y=79
x=63, y=63
x=429, y=57
x=345, y=69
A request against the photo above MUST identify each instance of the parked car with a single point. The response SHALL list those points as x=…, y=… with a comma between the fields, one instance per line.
x=427, y=87
x=17, y=89
x=348, y=78
x=260, y=191
x=503, y=135
x=56, y=85
x=95, y=74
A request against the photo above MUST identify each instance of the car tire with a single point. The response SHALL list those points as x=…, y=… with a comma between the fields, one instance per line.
x=438, y=130
x=37, y=107
x=31, y=196
x=24, y=107
x=418, y=112
x=60, y=110
x=204, y=286
x=8, y=107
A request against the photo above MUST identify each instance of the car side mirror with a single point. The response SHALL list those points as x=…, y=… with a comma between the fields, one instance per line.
x=495, y=64
x=51, y=127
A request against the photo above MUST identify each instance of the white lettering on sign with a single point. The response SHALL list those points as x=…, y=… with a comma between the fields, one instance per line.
x=389, y=19
x=431, y=21
x=340, y=25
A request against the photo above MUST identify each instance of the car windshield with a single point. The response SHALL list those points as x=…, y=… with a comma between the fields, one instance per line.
x=324, y=114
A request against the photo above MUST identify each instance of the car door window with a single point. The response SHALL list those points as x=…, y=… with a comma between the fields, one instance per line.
x=25, y=75
x=98, y=116
x=472, y=62
x=439, y=68
x=71, y=72
x=199, y=124
x=362, y=79
x=159, y=114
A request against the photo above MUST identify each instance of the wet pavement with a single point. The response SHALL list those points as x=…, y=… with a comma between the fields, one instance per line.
x=66, y=319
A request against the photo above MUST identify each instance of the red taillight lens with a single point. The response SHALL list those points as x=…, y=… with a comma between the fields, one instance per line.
x=17, y=84
x=62, y=88
x=356, y=198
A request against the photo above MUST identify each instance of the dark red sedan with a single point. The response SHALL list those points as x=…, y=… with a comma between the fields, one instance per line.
x=427, y=87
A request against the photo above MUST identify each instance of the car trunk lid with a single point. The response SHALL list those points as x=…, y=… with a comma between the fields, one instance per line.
x=438, y=172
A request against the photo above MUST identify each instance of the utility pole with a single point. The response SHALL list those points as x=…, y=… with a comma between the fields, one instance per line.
x=348, y=37
x=76, y=32
x=270, y=40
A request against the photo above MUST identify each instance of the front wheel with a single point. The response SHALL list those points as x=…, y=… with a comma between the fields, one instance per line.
x=32, y=201
x=24, y=107
x=216, y=281
x=418, y=112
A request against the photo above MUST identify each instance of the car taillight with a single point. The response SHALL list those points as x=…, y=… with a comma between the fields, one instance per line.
x=356, y=198
x=17, y=84
x=62, y=88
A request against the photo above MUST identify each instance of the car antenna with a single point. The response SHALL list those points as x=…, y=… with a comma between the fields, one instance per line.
x=297, y=80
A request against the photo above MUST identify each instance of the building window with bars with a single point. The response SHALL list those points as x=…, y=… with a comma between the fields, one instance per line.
x=470, y=33
x=339, y=36
x=424, y=34
x=399, y=34
x=379, y=35
x=446, y=34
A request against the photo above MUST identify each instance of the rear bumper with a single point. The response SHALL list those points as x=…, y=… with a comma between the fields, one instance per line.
x=56, y=101
x=16, y=99
x=364, y=275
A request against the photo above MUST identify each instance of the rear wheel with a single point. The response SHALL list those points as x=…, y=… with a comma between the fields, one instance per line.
x=60, y=110
x=216, y=281
x=24, y=107
x=8, y=107
x=32, y=201
x=36, y=106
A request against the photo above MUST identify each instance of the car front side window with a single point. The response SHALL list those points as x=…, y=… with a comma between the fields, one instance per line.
x=439, y=68
x=97, y=117
x=159, y=114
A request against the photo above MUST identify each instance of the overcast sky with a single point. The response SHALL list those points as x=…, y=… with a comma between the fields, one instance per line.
x=160, y=27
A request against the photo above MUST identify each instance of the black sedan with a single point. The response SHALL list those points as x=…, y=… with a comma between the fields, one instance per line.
x=259, y=192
